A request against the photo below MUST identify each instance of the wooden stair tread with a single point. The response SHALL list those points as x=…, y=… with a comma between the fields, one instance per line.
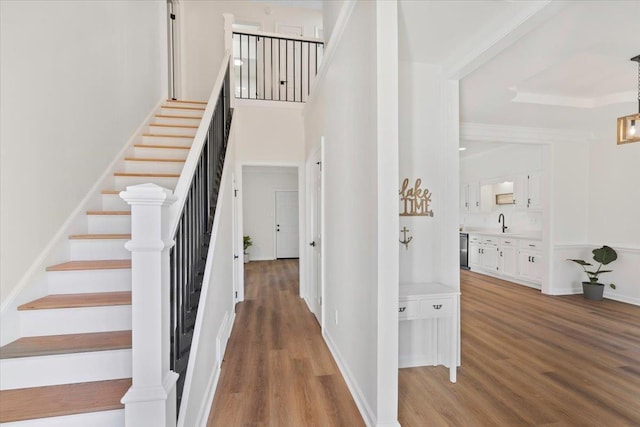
x=170, y=147
x=174, y=126
x=173, y=116
x=148, y=175
x=178, y=107
x=98, y=299
x=67, y=399
x=187, y=102
x=147, y=159
x=99, y=236
x=64, y=344
x=108, y=212
x=166, y=135
x=107, y=264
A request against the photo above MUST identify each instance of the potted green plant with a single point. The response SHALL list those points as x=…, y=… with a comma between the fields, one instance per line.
x=603, y=256
x=246, y=240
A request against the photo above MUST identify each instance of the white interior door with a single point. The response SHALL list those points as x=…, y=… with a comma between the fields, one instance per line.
x=316, y=235
x=287, y=243
x=237, y=252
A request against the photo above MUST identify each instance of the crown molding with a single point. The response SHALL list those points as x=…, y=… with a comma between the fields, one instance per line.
x=520, y=135
x=573, y=101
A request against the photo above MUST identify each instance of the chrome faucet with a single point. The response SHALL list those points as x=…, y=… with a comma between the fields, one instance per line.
x=501, y=217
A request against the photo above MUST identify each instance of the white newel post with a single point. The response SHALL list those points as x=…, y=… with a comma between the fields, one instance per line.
x=151, y=400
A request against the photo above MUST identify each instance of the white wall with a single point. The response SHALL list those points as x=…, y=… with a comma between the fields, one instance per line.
x=422, y=156
x=273, y=134
x=259, y=184
x=360, y=172
x=614, y=193
x=202, y=35
x=77, y=79
x=216, y=312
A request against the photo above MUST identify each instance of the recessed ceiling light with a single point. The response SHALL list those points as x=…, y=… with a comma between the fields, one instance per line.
x=462, y=148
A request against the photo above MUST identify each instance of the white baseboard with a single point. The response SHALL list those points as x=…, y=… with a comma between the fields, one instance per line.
x=365, y=410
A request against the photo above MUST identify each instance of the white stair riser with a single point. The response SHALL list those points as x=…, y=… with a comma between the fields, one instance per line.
x=89, y=281
x=184, y=104
x=160, y=153
x=70, y=368
x=153, y=167
x=109, y=224
x=125, y=181
x=93, y=419
x=113, y=202
x=165, y=130
x=181, y=112
x=178, y=121
x=75, y=320
x=93, y=249
x=167, y=140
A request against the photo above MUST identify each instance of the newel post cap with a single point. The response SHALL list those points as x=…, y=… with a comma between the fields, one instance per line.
x=148, y=194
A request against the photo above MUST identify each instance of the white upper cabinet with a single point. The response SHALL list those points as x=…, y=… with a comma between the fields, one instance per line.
x=534, y=190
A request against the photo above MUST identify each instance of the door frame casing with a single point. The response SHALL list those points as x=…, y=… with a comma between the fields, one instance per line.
x=302, y=215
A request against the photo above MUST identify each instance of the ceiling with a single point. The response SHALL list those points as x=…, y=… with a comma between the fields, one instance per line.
x=566, y=65
x=308, y=4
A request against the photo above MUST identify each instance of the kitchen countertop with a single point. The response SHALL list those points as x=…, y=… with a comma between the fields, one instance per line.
x=529, y=235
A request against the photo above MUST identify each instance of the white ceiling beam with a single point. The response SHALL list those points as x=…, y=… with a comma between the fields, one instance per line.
x=469, y=57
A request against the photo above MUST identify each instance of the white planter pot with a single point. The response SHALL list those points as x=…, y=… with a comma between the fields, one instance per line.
x=246, y=258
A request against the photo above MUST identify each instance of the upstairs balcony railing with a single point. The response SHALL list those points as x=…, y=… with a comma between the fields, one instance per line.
x=275, y=68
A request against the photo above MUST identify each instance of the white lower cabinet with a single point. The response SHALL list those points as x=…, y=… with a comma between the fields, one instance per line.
x=530, y=261
x=428, y=329
x=509, y=258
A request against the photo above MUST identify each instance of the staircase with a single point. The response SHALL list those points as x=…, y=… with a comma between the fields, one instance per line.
x=73, y=363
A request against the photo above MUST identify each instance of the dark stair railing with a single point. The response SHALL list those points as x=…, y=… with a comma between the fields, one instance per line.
x=193, y=232
x=273, y=68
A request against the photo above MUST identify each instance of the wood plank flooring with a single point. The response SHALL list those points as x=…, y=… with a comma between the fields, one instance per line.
x=277, y=369
x=532, y=360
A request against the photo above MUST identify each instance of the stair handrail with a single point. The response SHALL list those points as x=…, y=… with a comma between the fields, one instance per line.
x=191, y=162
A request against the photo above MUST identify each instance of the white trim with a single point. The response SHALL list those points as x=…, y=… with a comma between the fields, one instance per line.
x=253, y=103
x=55, y=250
x=330, y=48
x=573, y=101
x=618, y=248
x=520, y=134
x=364, y=408
x=280, y=35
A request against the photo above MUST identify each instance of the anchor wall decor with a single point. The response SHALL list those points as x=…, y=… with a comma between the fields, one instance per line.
x=406, y=241
x=414, y=201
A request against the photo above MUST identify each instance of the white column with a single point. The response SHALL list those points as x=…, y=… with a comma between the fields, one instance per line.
x=151, y=400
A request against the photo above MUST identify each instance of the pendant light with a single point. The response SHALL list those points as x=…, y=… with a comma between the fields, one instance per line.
x=629, y=126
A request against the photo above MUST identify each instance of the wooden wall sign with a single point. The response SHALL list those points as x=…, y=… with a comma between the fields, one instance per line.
x=414, y=201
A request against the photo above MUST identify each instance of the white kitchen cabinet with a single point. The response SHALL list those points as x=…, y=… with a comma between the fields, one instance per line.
x=483, y=253
x=470, y=198
x=489, y=254
x=534, y=190
x=527, y=191
x=530, y=261
x=508, y=257
x=475, y=252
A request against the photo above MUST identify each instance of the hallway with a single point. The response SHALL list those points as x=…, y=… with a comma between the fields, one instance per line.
x=277, y=370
